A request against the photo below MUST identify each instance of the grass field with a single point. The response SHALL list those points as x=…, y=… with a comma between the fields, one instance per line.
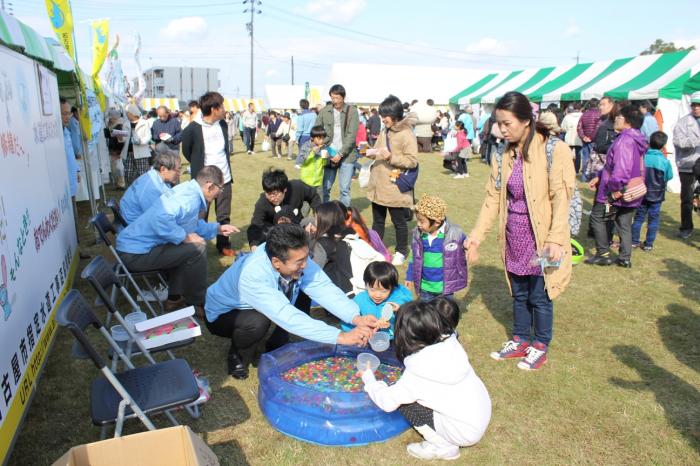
x=621, y=386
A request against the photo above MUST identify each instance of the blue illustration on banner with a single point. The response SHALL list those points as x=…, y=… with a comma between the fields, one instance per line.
x=4, y=293
x=6, y=95
x=22, y=91
x=56, y=15
x=101, y=36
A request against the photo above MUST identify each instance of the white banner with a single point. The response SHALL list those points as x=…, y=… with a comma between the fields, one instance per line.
x=37, y=232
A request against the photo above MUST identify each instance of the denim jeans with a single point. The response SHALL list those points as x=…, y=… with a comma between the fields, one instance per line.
x=531, y=304
x=302, y=141
x=585, y=153
x=426, y=296
x=345, y=180
x=249, y=138
x=653, y=211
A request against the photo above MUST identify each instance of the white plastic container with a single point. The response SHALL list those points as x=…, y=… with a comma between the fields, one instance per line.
x=379, y=342
x=120, y=336
x=365, y=359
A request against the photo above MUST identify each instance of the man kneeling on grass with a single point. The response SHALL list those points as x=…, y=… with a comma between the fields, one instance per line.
x=262, y=287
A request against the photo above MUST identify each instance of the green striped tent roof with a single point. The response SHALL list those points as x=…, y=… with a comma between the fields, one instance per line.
x=633, y=78
x=17, y=35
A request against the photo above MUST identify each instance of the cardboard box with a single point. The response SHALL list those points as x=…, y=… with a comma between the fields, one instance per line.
x=174, y=446
x=171, y=327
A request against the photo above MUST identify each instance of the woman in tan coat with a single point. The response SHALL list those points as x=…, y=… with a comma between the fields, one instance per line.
x=396, y=150
x=531, y=201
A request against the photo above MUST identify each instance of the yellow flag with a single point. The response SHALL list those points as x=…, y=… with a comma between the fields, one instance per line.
x=100, y=39
x=62, y=22
x=99, y=93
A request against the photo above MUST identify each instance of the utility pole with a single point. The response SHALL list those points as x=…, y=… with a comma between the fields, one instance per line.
x=252, y=9
x=578, y=56
x=292, y=70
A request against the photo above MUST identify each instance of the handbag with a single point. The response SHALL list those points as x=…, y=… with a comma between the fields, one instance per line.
x=635, y=188
x=406, y=180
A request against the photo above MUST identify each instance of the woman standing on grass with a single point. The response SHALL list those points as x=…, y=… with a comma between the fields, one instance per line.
x=531, y=201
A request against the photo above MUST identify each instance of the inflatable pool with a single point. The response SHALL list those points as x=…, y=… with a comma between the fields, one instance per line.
x=309, y=391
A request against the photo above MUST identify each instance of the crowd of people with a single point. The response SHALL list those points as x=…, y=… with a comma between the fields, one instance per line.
x=307, y=249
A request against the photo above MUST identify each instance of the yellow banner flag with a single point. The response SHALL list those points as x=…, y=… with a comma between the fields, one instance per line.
x=62, y=22
x=99, y=93
x=100, y=40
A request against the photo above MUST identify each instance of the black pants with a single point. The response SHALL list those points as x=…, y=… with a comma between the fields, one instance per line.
x=222, y=205
x=687, y=184
x=247, y=327
x=462, y=165
x=623, y=218
x=577, y=159
x=398, y=218
x=418, y=415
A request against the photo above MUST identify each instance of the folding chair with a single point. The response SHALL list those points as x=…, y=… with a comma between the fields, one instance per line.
x=136, y=392
x=103, y=227
x=101, y=276
x=113, y=205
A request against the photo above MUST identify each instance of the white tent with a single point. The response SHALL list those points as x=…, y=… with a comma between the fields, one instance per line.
x=286, y=97
x=370, y=83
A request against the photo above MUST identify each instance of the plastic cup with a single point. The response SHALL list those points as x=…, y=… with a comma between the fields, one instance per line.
x=134, y=318
x=379, y=342
x=365, y=359
x=324, y=153
x=121, y=336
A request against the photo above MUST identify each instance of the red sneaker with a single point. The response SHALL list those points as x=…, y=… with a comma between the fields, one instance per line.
x=515, y=348
x=536, y=357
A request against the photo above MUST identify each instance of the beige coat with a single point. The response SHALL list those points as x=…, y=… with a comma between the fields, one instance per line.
x=404, y=155
x=548, y=197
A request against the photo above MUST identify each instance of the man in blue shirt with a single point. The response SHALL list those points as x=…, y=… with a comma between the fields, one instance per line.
x=262, y=287
x=145, y=191
x=170, y=236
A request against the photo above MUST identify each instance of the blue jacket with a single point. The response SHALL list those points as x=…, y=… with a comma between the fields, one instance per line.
x=142, y=194
x=649, y=125
x=169, y=220
x=75, y=136
x=400, y=295
x=305, y=121
x=171, y=126
x=72, y=164
x=253, y=283
x=658, y=173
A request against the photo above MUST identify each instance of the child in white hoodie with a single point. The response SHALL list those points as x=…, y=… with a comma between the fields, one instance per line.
x=438, y=393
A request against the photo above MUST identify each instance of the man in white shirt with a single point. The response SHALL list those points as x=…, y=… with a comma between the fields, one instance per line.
x=250, y=125
x=206, y=142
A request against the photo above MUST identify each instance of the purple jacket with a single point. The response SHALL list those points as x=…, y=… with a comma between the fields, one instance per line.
x=454, y=259
x=588, y=123
x=623, y=162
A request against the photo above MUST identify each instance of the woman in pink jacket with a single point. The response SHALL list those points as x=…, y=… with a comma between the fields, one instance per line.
x=462, y=151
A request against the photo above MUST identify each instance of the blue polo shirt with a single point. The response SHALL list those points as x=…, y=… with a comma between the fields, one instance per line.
x=70, y=162
x=141, y=195
x=169, y=220
x=253, y=283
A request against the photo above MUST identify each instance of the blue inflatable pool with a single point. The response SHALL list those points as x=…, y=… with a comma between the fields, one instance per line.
x=333, y=418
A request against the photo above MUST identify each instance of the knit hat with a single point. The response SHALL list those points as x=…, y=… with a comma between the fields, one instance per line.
x=695, y=98
x=133, y=109
x=549, y=120
x=432, y=207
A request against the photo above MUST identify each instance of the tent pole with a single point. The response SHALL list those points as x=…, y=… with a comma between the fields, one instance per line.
x=86, y=161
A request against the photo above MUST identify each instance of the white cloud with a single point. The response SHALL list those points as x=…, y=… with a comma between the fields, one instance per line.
x=489, y=46
x=190, y=27
x=687, y=42
x=572, y=30
x=336, y=11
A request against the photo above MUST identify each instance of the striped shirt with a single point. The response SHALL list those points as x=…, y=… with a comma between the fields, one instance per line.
x=432, y=280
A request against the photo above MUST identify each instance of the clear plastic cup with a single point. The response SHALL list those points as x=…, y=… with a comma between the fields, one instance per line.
x=134, y=318
x=120, y=336
x=365, y=360
x=324, y=153
x=379, y=342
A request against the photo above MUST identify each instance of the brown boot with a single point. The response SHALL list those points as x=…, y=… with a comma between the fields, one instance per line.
x=171, y=305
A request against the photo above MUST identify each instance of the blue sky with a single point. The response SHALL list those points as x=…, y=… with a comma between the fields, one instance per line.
x=507, y=34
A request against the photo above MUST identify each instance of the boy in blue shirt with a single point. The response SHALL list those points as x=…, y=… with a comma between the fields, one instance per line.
x=658, y=173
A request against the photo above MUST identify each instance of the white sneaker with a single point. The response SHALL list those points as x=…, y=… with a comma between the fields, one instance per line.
x=458, y=176
x=429, y=451
x=250, y=152
x=398, y=258
x=298, y=167
x=466, y=175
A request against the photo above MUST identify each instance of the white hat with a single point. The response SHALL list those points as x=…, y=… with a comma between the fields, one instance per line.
x=133, y=109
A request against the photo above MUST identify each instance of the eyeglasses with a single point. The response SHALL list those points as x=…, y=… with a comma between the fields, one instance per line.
x=218, y=186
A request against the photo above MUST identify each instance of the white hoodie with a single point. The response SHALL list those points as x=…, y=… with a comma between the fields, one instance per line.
x=439, y=377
